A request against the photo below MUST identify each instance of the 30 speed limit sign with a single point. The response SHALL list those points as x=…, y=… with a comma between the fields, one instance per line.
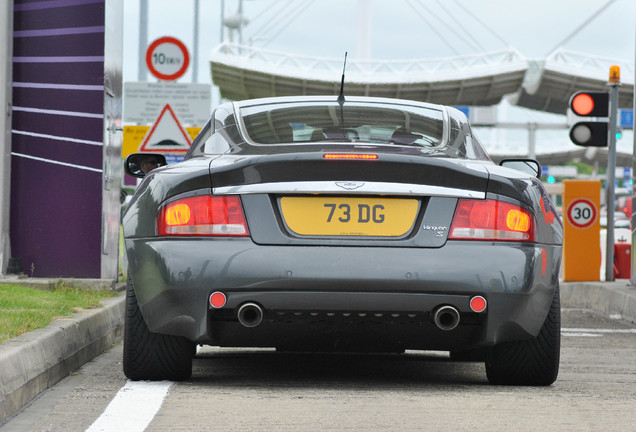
x=581, y=213
x=167, y=58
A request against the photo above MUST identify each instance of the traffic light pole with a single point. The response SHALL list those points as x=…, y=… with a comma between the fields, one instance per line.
x=611, y=178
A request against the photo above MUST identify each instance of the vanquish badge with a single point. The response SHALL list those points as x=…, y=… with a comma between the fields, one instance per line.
x=349, y=185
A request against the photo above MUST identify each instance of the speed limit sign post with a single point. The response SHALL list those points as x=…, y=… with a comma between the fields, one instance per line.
x=582, y=226
x=167, y=58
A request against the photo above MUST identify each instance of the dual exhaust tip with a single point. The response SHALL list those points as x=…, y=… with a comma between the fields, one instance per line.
x=250, y=314
x=445, y=317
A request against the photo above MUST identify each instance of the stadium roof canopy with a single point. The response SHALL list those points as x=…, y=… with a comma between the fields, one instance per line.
x=244, y=72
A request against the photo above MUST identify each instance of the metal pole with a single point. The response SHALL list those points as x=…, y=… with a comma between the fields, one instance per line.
x=240, y=14
x=142, y=74
x=532, y=140
x=611, y=178
x=195, y=44
x=6, y=80
x=222, y=39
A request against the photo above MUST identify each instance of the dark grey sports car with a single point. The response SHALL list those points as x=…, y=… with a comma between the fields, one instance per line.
x=317, y=224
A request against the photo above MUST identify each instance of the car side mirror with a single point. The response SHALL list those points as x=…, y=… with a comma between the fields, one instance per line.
x=528, y=166
x=139, y=164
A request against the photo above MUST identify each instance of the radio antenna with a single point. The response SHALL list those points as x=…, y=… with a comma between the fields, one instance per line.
x=341, y=98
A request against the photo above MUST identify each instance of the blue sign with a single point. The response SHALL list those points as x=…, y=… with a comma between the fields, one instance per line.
x=464, y=109
x=627, y=118
x=545, y=170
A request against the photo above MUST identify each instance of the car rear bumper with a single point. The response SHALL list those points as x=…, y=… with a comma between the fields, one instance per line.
x=375, y=297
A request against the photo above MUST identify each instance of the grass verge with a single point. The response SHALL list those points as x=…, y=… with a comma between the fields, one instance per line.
x=24, y=308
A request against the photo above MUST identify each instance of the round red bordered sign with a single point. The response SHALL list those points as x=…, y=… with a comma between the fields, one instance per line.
x=581, y=213
x=167, y=58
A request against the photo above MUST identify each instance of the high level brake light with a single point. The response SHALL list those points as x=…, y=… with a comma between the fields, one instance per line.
x=350, y=156
x=203, y=216
x=492, y=220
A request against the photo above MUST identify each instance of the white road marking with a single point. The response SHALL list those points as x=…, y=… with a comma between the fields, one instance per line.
x=577, y=334
x=598, y=330
x=594, y=332
x=133, y=408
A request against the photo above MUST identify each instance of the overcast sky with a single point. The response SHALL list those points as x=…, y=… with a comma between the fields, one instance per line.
x=399, y=29
x=327, y=28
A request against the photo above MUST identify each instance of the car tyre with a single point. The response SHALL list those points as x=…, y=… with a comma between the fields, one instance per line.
x=152, y=356
x=532, y=362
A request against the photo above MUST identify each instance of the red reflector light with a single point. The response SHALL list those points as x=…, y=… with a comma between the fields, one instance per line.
x=218, y=299
x=356, y=156
x=478, y=304
x=203, y=216
x=492, y=220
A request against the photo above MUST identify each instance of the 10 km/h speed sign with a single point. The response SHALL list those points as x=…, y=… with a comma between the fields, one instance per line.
x=167, y=58
x=581, y=213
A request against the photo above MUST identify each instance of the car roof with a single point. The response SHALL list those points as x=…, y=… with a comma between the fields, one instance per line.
x=327, y=98
x=449, y=110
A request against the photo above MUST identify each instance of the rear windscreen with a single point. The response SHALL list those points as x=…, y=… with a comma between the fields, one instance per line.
x=303, y=123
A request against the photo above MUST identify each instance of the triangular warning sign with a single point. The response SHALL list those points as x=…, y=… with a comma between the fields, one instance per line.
x=166, y=135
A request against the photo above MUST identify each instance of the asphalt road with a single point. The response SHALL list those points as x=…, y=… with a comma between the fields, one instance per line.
x=262, y=390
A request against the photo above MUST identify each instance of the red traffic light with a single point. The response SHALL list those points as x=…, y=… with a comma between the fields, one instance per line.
x=582, y=104
x=593, y=132
x=590, y=104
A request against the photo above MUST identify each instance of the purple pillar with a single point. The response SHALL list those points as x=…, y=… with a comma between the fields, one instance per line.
x=58, y=131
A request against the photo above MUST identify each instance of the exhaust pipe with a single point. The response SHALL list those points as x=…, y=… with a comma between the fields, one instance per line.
x=250, y=314
x=446, y=318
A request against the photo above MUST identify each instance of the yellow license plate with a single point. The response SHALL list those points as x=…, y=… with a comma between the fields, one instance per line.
x=344, y=216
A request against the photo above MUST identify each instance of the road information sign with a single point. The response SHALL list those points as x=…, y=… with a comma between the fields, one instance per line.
x=627, y=118
x=581, y=230
x=144, y=101
x=166, y=135
x=581, y=213
x=167, y=58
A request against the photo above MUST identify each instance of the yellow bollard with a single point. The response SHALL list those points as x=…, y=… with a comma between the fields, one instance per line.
x=581, y=223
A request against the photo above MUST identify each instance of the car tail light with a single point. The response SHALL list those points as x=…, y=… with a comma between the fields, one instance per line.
x=492, y=220
x=203, y=216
